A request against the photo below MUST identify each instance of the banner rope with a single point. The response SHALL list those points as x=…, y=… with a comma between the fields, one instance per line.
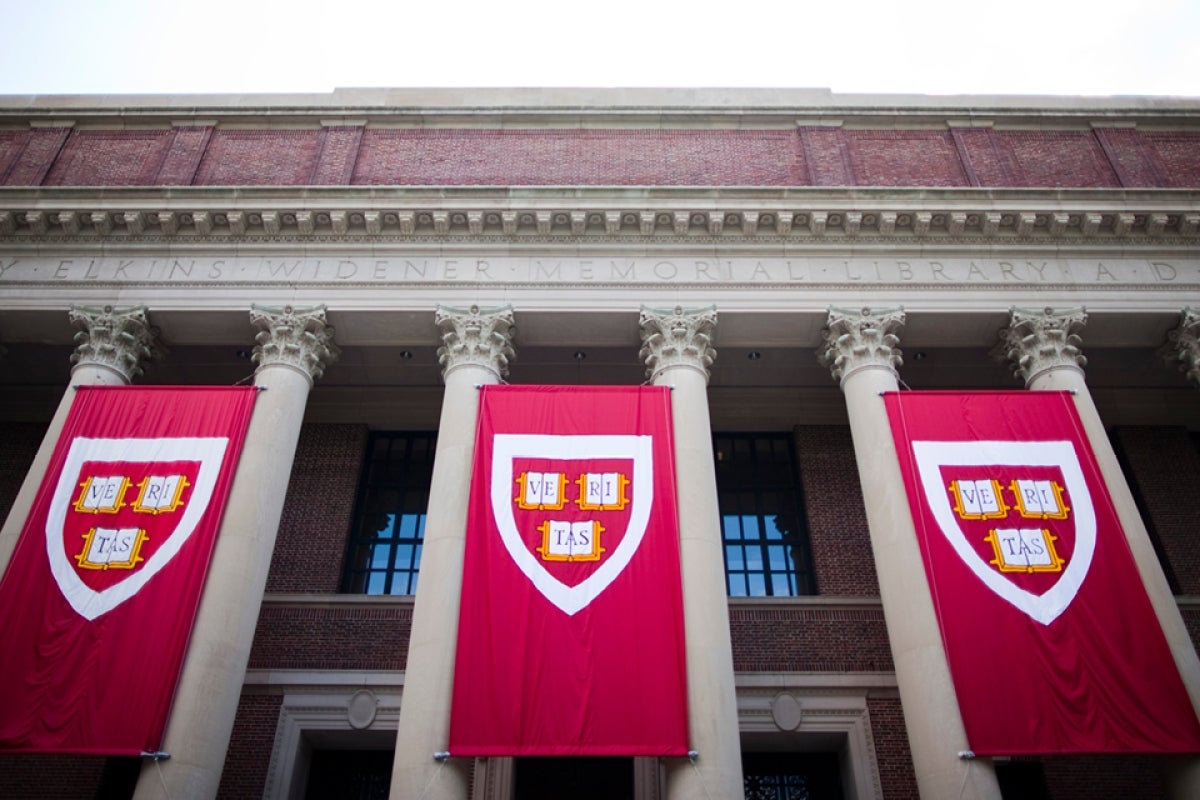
x=699, y=777
x=161, y=779
x=433, y=777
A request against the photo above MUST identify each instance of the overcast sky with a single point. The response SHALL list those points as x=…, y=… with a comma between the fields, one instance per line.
x=1094, y=47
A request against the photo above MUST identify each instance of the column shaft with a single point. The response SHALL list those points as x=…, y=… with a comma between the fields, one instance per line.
x=424, y=726
x=712, y=696
x=932, y=719
x=677, y=349
x=861, y=350
x=1183, y=774
x=293, y=348
x=476, y=350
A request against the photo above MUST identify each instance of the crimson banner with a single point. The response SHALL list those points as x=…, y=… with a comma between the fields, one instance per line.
x=1052, y=642
x=102, y=588
x=570, y=638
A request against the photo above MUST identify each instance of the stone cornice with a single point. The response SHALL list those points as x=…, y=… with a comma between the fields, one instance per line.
x=214, y=217
x=620, y=105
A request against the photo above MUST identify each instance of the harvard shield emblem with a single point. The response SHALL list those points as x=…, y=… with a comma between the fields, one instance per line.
x=1018, y=514
x=571, y=510
x=121, y=510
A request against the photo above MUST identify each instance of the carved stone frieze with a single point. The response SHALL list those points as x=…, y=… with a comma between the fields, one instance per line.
x=861, y=339
x=678, y=338
x=298, y=338
x=1039, y=340
x=120, y=339
x=1183, y=345
x=481, y=337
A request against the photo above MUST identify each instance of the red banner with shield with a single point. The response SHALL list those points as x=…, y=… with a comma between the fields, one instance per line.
x=1052, y=642
x=570, y=634
x=102, y=588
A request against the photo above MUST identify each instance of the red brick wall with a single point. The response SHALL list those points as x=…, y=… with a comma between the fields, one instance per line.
x=798, y=638
x=837, y=521
x=810, y=156
x=50, y=777
x=249, y=755
x=905, y=158
x=259, y=157
x=320, y=637
x=567, y=157
x=1058, y=158
x=1103, y=778
x=311, y=545
x=1164, y=468
x=110, y=158
x=1179, y=155
x=891, y=748
x=40, y=149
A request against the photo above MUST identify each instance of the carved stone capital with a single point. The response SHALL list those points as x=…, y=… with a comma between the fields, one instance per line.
x=1183, y=345
x=678, y=338
x=298, y=338
x=481, y=337
x=1040, y=340
x=861, y=339
x=119, y=339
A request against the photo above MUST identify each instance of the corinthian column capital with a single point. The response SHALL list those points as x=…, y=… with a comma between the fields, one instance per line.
x=297, y=338
x=861, y=339
x=119, y=339
x=1037, y=341
x=1183, y=345
x=476, y=337
x=678, y=338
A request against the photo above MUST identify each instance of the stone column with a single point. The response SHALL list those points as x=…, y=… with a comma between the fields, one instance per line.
x=113, y=345
x=293, y=348
x=476, y=349
x=1183, y=345
x=860, y=347
x=1043, y=347
x=677, y=349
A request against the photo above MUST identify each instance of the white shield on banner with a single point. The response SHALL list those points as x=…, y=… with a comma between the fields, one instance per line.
x=507, y=447
x=173, y=530
x=931, y=457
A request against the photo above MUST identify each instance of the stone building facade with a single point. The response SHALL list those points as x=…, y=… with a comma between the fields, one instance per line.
x=371, y=256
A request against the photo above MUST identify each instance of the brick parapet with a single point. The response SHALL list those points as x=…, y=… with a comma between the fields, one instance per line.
x=41, y=147
x=188, y=144
x=812, y=155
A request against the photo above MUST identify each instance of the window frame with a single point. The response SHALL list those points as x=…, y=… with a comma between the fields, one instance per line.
x=403, y=555
x=751, y=498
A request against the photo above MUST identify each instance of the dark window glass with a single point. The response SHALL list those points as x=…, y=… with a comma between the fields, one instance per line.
x=349, y=775
x=791, y=776
x=384, y=552
x=594, y=778
x=765, y=536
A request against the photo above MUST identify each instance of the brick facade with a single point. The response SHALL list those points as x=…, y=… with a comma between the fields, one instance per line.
x=249, y=754
x=891, y=749
x=837, y=520
x=311, y=544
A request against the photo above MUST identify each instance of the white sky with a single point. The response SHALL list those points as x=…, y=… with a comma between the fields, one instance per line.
x=1094, y=47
